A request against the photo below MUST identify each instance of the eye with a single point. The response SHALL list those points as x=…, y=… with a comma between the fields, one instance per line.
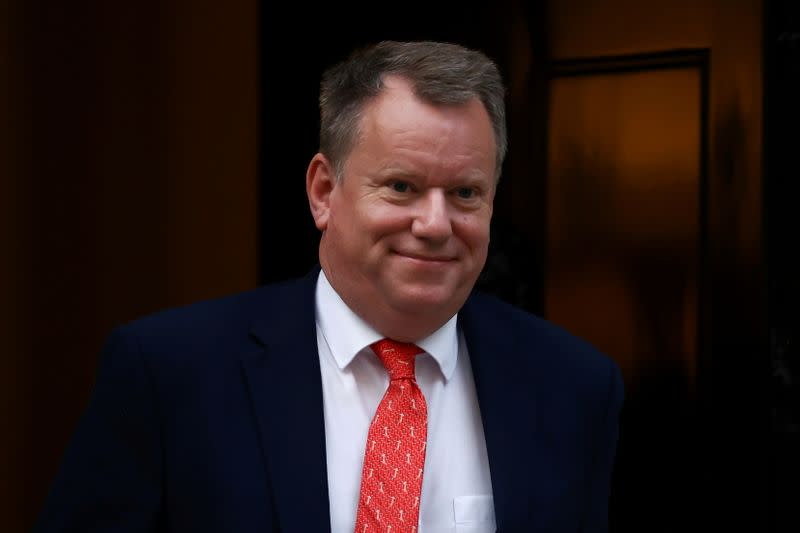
x=465, y=193
x=400, y=186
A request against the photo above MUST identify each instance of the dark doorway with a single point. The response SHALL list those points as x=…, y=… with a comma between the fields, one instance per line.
x=298, y=43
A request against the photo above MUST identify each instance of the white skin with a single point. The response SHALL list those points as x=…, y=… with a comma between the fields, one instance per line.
x=405, y=233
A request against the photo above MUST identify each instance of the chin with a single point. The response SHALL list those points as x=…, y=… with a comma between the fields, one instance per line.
x=424, y=300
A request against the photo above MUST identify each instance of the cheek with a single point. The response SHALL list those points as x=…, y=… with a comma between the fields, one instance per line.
x=474, y=232
x=385, y=221
x=352, y=220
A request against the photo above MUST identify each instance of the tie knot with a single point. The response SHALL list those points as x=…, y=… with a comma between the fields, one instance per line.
x=397, y=357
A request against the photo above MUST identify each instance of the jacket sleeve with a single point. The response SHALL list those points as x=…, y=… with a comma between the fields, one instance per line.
x=605, y=447
x=110, y=478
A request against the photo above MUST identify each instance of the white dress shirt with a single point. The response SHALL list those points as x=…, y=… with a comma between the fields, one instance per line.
x=456, y=487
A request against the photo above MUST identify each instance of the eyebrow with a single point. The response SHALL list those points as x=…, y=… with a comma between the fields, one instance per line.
x=475, y=175
x=395, y=171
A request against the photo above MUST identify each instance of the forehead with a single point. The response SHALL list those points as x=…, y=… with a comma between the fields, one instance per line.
x=400, y=121
x=398, y=96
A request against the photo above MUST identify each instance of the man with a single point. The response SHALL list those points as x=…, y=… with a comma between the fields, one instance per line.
x=378, y=393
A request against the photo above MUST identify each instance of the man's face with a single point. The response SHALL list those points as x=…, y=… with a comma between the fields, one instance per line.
x=406, y=230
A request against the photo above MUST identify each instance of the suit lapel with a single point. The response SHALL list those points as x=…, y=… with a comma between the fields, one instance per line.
x=286, y=391
x=504, y=393
x=283, y=378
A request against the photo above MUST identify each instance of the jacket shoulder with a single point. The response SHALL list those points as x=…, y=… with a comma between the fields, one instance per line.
x=218, y=325
x=546, y=347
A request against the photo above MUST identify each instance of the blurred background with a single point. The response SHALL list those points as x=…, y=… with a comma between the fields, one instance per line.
x=154, y=154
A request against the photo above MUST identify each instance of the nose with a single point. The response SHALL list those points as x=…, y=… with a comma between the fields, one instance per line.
x=432, y=220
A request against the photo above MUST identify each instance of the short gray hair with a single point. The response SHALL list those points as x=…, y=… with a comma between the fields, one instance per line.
x=441, y=74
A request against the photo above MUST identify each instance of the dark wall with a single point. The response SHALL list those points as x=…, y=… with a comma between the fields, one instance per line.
x=128, y=185
x=781, y=442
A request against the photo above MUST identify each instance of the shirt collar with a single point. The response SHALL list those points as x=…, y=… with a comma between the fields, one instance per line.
x=348, y=334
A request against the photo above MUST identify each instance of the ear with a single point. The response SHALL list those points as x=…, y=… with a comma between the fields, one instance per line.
x=320, y=181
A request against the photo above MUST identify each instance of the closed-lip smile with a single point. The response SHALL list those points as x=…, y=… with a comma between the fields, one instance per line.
x=426, y=257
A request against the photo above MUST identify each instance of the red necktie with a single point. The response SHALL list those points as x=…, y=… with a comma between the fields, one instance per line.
x=391, y=482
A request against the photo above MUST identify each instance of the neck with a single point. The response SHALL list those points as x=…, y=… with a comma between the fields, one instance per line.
x=411, y=326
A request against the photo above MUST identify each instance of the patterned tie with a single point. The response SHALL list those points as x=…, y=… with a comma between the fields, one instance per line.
x=391, y=482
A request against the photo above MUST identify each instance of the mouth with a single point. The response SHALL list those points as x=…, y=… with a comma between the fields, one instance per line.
x=426, y=258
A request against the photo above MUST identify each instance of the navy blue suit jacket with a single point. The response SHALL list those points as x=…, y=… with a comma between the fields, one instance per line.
x=209, y=418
